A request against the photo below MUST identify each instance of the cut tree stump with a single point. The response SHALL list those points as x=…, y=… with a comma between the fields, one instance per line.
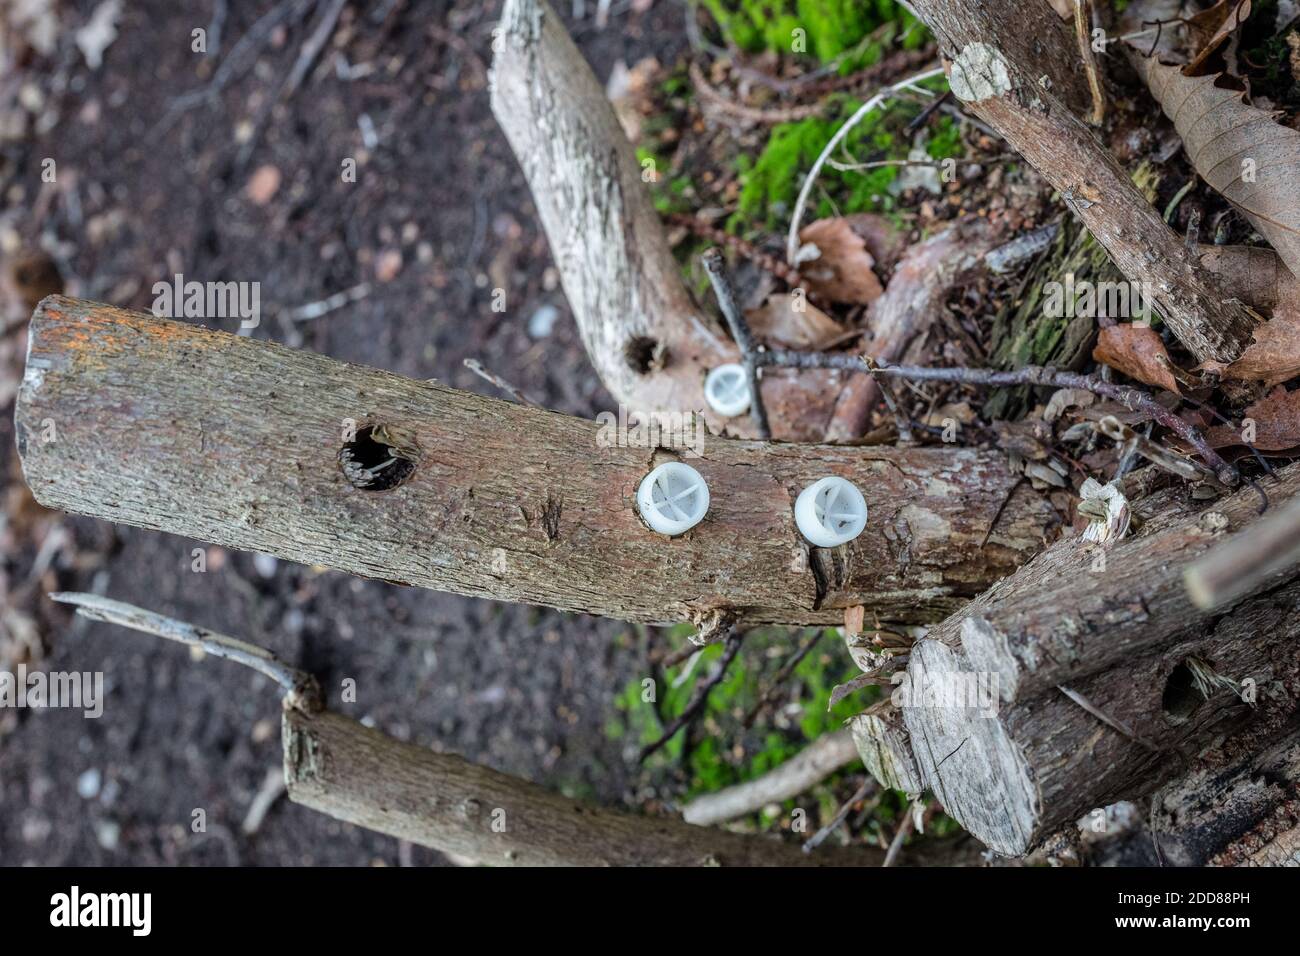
x=987, y=717
x=229, y=440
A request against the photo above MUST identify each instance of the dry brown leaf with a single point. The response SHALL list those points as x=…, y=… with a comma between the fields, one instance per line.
x=1274, y=356
x=842, y=272
x=1209, y=28
x=1276, y=419
x=1241, y=151
x=854, y=617
x=794, y=322
x=1138, y=352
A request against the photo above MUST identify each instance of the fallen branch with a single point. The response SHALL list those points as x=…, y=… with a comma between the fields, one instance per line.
x=821, y=758
x=1245, y=562
x=354, y=773
x=1000, y=50
x=1012, y=757
x=649, y=342
x=238, y=442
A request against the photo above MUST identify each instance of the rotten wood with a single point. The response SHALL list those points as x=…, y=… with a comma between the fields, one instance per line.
x=1007, y=60
x=226, y=439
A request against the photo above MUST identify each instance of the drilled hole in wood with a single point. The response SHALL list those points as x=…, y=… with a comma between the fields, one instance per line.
x=641, y=354
x=1181, y=696
x=377, y=459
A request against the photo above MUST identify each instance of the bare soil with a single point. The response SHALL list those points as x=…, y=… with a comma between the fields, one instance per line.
x=145, y=190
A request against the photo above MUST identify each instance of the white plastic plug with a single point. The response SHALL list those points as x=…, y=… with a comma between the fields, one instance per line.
x=830, y=512
x=726, y=389
x=673, y=498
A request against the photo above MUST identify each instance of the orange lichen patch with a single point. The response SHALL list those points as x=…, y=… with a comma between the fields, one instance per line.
x=88, y=335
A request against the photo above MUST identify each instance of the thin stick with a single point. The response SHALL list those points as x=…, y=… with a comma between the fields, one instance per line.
x=818, y=838
x=1082, y=25
x=782, y=676
x=901, y=421
x=477, y=368
x=904, y=828
x=331, y=303
x=792, y=238
x=698, y=699
x=1113, y=723
x=1131, y=398
x=740, y=332
x=1238, y=566
x=300, y=687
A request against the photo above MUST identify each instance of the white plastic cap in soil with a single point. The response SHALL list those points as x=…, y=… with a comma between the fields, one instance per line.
x=726, y=389
x=673, y=498
x=830, y=512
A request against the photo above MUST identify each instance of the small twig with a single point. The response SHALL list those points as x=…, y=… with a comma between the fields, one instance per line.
x=722, y=288
x=1133, y=399
x=904, y=828
x=792, y=238
x=751, y=114
x=1082, y=32
x=477, y=368
x=1157, y=454
x=787, y=274
x=871, y=678
x=272, y=789
x=1238, y=566
x=901, y=421
x=331, y=303
x=301, y=689
x=782, y=676
x=818, y=838
x=698, y=698
x=311, y=48
x=923, y=117
x=876, y=164
x=1113, y=723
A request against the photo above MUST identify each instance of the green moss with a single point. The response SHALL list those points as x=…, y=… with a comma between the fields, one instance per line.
x=824, y=29
x=770, y=184
x=709, y=764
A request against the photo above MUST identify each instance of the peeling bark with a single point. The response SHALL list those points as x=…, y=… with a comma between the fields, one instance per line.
x=226, y=439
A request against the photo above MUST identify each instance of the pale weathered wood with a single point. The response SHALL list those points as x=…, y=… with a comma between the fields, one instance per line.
x=1001, y=50
x=885, y=747
x=1015, y=757
x=235, y=441
x=821, y=758
x=649, y=342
